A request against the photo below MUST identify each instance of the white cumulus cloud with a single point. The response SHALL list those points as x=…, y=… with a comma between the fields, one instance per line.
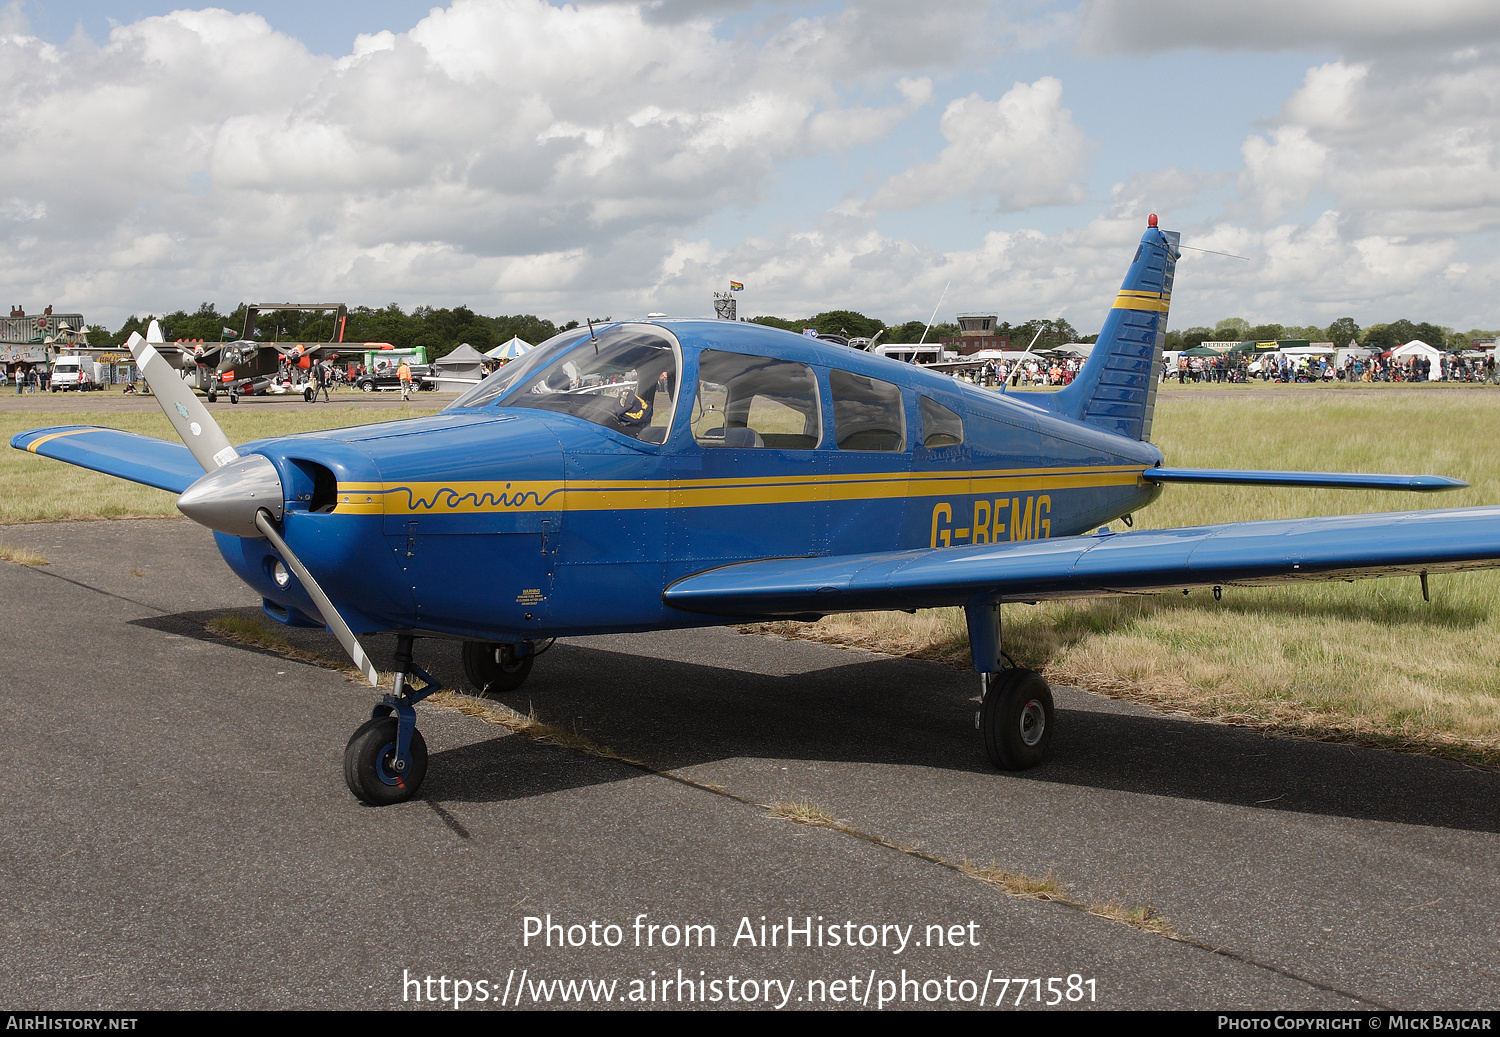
x=1021, y=151
x=493, y=140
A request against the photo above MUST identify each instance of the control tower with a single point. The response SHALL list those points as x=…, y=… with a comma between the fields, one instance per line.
x=982, y=324
x=976, y=331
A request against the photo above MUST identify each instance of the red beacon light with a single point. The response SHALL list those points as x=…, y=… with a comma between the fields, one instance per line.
x=1151, y=220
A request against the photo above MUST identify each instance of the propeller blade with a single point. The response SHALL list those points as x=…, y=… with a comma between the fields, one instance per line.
x=184, y=410
x=331, y=616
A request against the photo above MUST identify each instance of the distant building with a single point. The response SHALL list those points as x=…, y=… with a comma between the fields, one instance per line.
x=970, y=324
x=976, y=331
x=36, y=339
x=911, y=353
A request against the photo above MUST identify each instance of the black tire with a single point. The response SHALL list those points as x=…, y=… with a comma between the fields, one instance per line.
x=366, y=386
x=213, y=395
x=1017, y=719
x=369, y=751
x=308, y=395
x=490, y=677
x=234, y=397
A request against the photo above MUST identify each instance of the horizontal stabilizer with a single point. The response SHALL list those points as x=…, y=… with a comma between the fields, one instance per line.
x=1335, y=547
x=142, y=459
x=1307, y=480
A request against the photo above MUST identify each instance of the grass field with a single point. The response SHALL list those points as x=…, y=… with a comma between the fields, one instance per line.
x=1368, y=662
x=35, y=489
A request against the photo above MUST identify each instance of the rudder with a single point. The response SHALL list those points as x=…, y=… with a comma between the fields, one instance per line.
x=1116, y=390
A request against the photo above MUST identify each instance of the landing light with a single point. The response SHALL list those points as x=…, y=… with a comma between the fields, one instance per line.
x=280, y=575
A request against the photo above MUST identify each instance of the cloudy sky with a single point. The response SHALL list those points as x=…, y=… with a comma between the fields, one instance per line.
x=613, y=158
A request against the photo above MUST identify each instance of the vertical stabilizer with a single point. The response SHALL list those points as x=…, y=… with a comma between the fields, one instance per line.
x=1116, y=390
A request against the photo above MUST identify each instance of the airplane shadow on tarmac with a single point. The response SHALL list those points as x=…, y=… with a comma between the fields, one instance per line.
x=882, y=710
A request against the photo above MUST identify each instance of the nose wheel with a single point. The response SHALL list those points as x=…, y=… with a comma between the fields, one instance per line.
x=386, y=758
x=374, y=769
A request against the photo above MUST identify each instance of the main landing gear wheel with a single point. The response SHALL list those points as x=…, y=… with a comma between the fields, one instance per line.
x=370, y=767
x=492, y=675
x=213, y=395
x=1016, y=719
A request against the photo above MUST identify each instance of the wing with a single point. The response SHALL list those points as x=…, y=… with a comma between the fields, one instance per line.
x=1306, y=480
x=1338, y=547
x=142, y=459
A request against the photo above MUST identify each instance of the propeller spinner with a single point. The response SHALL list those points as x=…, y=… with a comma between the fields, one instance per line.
x=239, y=495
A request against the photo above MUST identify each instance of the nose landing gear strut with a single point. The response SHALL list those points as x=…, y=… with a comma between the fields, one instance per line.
x=386, y=759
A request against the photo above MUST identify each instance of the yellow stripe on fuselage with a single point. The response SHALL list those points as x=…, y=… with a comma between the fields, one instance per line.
x=1154, y=302
x=467, y=498
x=31, y=447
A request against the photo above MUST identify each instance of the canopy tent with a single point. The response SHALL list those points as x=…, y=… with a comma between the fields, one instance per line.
x=1254, y=347
x=465, y=365
x=1417, y=349
x=510, y=350
x=1200, y=351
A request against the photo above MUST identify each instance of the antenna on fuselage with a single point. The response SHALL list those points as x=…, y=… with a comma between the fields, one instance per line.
x=593, y=336
x=1211, y=252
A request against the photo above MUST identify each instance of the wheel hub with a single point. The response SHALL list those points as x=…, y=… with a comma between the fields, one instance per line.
x=1033, y=722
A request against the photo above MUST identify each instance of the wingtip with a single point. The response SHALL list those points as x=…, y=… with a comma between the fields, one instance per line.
x=1437, y=484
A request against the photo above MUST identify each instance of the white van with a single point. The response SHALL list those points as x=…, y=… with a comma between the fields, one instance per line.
x=71, y=372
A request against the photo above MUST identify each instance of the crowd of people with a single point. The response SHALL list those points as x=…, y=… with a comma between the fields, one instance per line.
x=1243, y=367
x=1291, y=368
x=24, y=379
x=1037, y=371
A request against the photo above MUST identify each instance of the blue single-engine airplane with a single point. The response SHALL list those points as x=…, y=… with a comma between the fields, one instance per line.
x=667, y=473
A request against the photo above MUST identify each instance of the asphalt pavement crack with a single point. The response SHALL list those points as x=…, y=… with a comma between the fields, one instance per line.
x=504, y=716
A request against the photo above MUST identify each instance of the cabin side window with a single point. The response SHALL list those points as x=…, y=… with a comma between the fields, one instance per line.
x=940, y=426
x=755, y=402
x=867, y=413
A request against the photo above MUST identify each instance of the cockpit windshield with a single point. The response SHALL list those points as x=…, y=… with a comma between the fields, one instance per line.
x=497, y=384
x=626, y=379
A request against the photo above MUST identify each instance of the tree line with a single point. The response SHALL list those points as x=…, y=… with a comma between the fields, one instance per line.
x=1341, y=333
x=440, y=331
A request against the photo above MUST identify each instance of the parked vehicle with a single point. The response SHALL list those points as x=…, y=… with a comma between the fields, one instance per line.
x=383, y=378
x=72, y=372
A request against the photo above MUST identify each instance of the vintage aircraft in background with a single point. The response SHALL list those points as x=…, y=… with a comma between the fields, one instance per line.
x=248, y=367
x=668, y=473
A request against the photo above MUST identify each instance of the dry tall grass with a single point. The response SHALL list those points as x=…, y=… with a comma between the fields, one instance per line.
x=1368, y=662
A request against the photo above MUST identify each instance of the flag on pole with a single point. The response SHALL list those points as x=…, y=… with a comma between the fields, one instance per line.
x=225, y=332
x=735, y=286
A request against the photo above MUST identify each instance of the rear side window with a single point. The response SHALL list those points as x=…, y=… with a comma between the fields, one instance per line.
x=940, y=426
x=755, y=402
x=867, y=413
